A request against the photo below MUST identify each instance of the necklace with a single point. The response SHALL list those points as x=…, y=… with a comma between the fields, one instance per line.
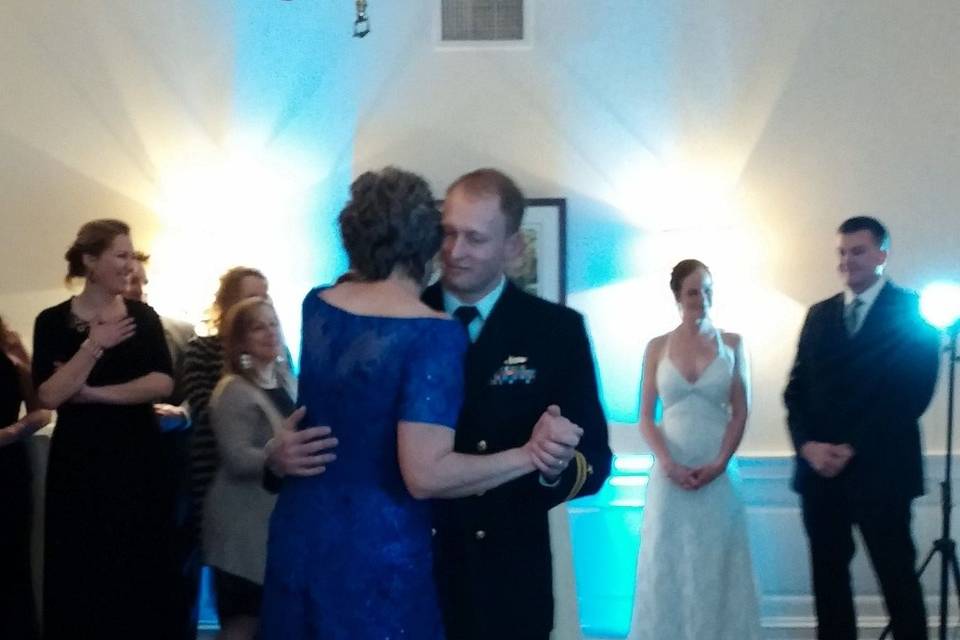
x=266, y=381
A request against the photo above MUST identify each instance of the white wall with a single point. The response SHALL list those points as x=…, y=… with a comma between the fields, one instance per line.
x=739, y=132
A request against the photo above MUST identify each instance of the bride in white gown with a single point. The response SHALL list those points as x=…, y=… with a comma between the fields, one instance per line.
x=694, y=574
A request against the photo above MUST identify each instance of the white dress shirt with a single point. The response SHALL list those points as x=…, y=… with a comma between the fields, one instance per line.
x=867, y=297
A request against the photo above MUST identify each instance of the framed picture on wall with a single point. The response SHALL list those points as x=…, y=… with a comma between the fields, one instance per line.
x=541, y=268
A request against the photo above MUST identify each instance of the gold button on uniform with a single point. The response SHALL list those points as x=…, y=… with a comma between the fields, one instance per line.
x=482, y=446
x=480, y=534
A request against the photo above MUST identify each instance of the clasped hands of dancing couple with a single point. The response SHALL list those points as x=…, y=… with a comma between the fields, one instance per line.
x=305, y=452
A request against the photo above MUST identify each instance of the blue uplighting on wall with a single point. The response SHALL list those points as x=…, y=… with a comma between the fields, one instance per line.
x=605, y=529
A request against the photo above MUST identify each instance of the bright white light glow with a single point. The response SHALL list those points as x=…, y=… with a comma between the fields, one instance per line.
x=677, y=195
x=633, y=463
x=940, y=303
x=222, y=208
x=629, y=481
x=632, y=503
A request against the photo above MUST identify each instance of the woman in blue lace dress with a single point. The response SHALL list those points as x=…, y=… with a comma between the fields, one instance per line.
x=349, y=552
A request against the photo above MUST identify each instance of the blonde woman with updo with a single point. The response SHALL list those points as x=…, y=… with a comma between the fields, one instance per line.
x=101, y=361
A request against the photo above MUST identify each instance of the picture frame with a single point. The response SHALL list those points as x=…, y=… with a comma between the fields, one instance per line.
x=541, y=269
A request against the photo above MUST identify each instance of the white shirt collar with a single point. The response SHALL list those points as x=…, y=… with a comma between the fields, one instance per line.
x=484, y=305
x=868, y=295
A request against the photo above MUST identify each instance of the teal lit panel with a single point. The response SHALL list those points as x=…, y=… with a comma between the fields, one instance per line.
x=605, y=532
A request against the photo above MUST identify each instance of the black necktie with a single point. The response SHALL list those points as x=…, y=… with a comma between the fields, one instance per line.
x=466, y=314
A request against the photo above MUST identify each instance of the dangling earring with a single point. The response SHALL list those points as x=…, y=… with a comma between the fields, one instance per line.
x=246, y=362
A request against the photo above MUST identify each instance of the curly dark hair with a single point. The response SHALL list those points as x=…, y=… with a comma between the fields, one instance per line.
x=680, y=272
x=390, y=221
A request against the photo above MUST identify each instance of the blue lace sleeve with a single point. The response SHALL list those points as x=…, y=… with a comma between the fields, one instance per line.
x=433, y=382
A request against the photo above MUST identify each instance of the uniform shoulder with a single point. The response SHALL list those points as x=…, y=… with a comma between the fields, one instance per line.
x=545, y=308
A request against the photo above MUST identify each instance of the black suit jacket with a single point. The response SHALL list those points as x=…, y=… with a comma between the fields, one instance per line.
x=493, y=561
x=868, y=390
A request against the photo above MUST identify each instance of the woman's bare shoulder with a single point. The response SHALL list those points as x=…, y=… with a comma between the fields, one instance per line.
x=655, y=346
x=731, y=339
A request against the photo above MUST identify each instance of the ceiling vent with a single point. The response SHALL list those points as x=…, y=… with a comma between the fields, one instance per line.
x=477, y=21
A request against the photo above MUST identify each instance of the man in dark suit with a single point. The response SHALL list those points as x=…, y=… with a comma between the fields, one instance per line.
x=174, y=419
x=493, y=559
x=865, y=372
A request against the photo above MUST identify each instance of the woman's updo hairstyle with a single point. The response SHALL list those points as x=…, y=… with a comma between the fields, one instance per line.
x=680, y=272
x=390, y=221
x=92, y=239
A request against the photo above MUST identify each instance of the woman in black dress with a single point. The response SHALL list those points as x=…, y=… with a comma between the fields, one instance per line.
x=17, y=610
x=101, y=361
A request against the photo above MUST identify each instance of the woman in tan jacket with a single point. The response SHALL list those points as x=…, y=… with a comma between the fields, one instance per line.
x=250, y=403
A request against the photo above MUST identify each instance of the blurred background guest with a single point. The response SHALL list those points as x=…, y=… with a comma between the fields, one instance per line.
x=17, y=607
x=249, y=404
x=203, y=366
x=174, y=417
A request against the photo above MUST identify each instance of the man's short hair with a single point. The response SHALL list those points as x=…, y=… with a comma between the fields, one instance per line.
x=866, y=223
x=491, y=182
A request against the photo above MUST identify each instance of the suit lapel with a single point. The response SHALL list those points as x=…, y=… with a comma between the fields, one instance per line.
x=835, y=323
